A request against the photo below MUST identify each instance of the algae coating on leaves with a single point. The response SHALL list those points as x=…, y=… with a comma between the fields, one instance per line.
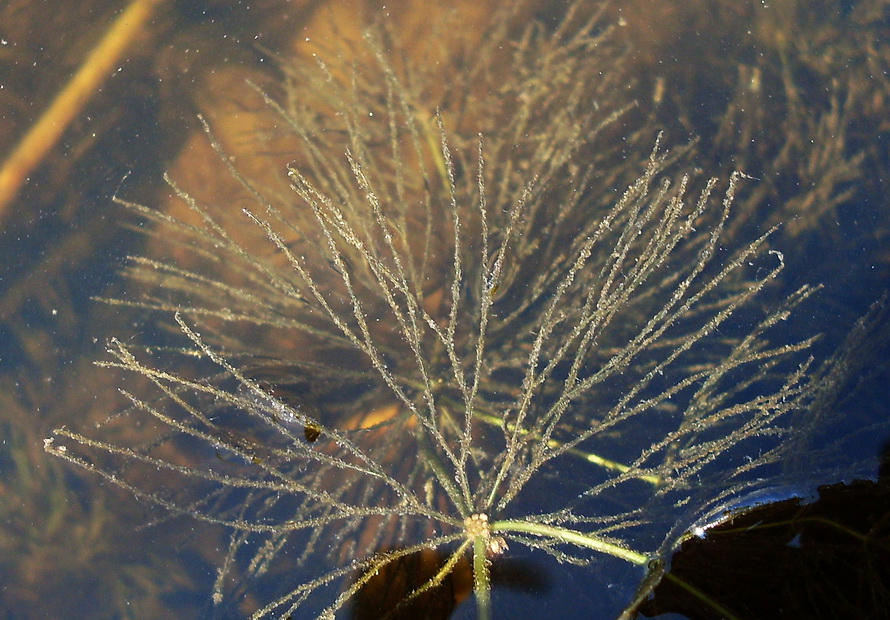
x=475, y=287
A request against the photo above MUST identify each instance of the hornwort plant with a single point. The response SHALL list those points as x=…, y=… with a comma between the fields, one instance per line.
x=451, y=333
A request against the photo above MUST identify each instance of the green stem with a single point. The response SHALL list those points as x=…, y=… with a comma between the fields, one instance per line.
x=574, y=537
x=720, y=609
x=481, y=583
x=587, y=456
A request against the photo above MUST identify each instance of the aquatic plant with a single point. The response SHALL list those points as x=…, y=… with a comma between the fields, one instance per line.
x=471, y=326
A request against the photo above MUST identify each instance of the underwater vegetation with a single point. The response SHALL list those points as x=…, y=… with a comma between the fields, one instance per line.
x=476, y=314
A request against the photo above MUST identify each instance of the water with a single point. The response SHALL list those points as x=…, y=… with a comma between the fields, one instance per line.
x=70, y=534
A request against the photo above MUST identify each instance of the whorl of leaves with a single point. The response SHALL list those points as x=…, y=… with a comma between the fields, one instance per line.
x=458, y=300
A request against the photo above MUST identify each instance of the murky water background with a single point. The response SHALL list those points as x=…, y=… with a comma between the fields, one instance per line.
x=73, y=547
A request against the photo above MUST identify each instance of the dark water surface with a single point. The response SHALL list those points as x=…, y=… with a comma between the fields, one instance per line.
x=798, y=102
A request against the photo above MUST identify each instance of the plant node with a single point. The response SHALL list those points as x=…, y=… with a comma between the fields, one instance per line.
x=477, y=525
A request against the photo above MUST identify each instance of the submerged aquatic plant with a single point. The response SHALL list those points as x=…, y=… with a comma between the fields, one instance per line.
x=454, y=334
